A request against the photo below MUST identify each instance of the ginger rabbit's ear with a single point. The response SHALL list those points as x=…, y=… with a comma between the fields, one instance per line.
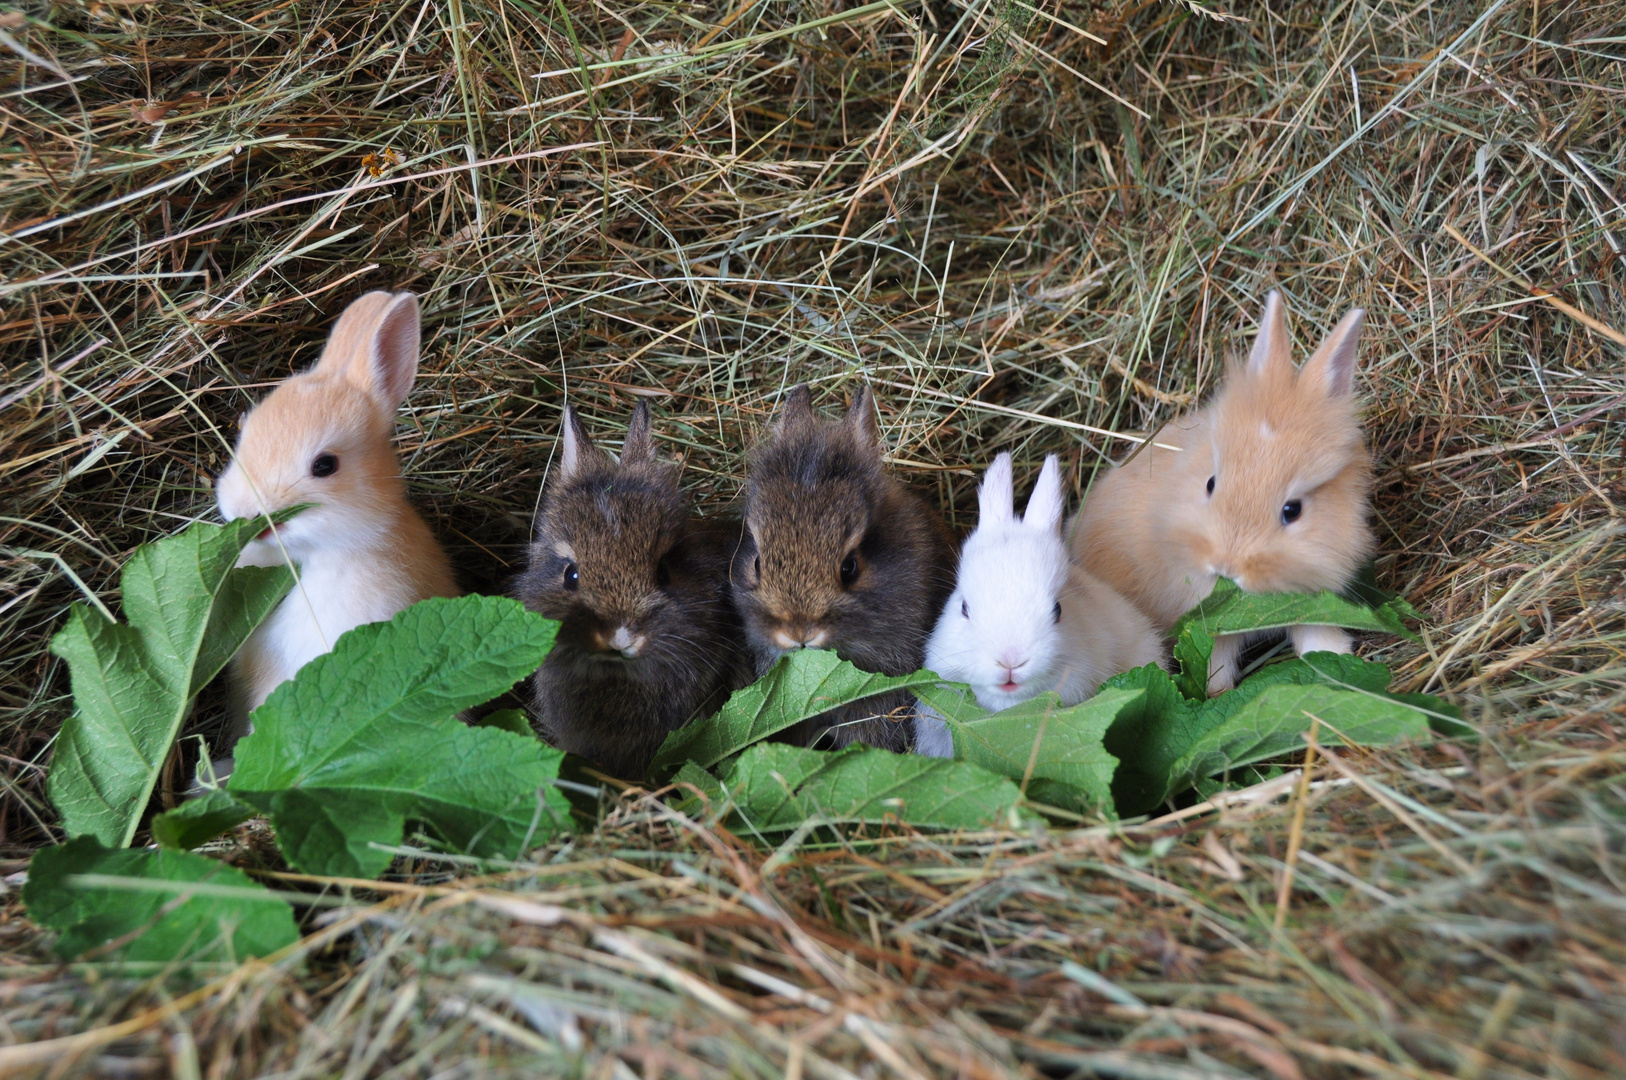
x=374, y=346
x=1272, y=350
x=1332, y=366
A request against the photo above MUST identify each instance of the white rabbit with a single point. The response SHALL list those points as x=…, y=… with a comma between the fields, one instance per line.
x=1022, y=619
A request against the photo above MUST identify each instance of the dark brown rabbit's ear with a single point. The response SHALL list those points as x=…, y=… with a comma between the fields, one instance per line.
x=576, y=451
x=861, y=420
x=797, y=411
x=640, y=445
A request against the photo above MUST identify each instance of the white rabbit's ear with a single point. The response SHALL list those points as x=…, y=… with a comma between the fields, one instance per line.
x=1333, y=364
x=1045, y=504
x=994, y=497
x=1271, y=348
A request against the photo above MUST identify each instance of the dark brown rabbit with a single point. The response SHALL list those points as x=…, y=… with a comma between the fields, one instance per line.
x=838, y=554
x=648, y=639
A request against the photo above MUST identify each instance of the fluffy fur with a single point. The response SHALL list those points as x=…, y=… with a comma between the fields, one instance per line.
x=362, y=552
x=1273, y=436
x=1022, y=619
x=838, y=554
x=648, y=639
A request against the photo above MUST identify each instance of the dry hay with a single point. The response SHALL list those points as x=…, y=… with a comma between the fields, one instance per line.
x=1025, y=239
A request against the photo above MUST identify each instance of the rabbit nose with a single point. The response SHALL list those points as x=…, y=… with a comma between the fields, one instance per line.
x=1010, y=662
x=626, y=642
x=801, y=637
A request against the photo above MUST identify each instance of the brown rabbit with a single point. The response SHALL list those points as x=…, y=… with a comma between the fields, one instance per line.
x=648, y=639
x=324, y=437
x=838, y=554
x=1269, y=488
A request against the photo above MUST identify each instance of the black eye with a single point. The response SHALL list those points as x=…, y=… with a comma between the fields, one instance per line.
x=849, y=569
x=964, y=610
x=663, y=576
x=572, y=576
x=1055, y=614
x=1211, y=485
x=1291, y=510
x=325, y=465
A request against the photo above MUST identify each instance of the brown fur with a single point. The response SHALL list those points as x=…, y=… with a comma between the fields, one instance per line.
x=1271, y=434
x=644, y=568
x=818, y=493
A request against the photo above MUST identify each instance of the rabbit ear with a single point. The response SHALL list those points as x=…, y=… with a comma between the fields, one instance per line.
x=1271, y=349
x=994, y=497
x=374, y=345
x=640, y=446
x=576, y=450
x=861, y=419
x=1045, y=504
x=797, y=411
x=1333, y=365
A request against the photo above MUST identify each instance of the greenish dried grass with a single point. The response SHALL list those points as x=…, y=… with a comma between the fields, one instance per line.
x=930, y=198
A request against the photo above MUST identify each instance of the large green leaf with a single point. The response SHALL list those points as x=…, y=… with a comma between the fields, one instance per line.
x=1229, y=610
x=160, y=905
x=800, y=685
x=366, y=737
x=1273, y=723
x=776, y=787
x=187, y=611
x=1070, y=767
x=1148, y=735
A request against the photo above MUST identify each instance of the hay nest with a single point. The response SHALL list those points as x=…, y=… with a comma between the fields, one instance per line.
x=1030, y=227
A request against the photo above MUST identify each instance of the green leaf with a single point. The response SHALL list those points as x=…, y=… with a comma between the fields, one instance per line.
x=1071, y=768
x=1229, y=610
x=199, y=820
x=802, y=684
x=366, y=737
x=1194, y=652
x=700, y=794
x=1273, y=723
x=511, y=720
x=1148, y=735
x=170, y=905
x=776, y=787
x=187, y=611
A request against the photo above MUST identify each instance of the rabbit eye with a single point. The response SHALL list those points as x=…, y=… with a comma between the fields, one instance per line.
x=849, y=569
x=663, y=575
x=1055, y=614
x=1291, y=510
x=965, y=611
x=573, y=577
x=1211, y=485
x=324, y=466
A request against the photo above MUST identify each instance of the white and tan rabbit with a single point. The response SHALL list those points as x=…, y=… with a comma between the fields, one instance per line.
x=324, y=437
x=1270, y=488
x=1023, y=619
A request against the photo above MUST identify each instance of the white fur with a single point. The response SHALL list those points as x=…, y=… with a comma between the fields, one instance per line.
x=1000, y=628
x=932, y=736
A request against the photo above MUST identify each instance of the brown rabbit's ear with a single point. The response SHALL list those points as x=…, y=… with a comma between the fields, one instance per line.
x=1332, y=366
x=639, y=446
x=1272, y=348
x=576, y=450
x=374, y=346
x=797, y=411
x=861, y=419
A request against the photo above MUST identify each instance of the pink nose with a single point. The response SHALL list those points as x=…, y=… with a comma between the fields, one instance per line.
x=1010, y=662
